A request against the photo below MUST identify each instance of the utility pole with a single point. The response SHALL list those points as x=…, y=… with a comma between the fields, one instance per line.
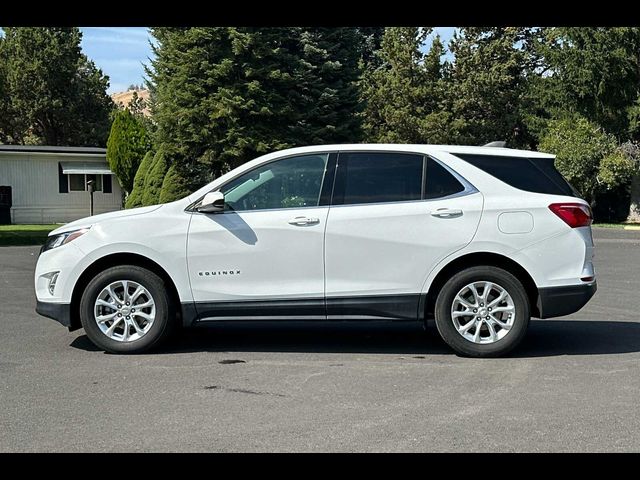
x=90, y=188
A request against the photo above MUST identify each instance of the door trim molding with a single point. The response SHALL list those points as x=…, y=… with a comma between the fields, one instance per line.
x=397, y=307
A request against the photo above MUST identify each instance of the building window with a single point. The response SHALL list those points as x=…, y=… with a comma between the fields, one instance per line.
x=78, y=182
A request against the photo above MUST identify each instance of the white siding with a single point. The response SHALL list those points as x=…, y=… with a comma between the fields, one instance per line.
x=34, y=183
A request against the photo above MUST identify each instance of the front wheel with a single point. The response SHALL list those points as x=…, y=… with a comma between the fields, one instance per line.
x=482, y=312
x=126, y=309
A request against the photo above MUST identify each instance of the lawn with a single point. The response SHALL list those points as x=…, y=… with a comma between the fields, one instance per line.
x=11, y=235
x=625, y=226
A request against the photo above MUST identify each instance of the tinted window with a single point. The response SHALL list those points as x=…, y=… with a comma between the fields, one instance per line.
x=378, y=177
x=537, y=175
x=440, y=183
x=289, y=183
x=76, y=182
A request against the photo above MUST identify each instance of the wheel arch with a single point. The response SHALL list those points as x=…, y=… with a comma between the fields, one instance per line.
x=112, y=260
x=481, y=258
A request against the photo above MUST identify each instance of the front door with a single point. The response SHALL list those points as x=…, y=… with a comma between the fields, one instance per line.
x=394, y=217
x=5, y=205
x=263, y=256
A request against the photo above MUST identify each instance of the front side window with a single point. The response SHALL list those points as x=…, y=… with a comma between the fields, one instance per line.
x=373, y=177
x=292, y=182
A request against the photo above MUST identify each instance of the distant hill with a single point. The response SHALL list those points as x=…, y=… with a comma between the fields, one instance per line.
x=124, y=98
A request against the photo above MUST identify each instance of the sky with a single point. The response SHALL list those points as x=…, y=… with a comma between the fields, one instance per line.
x=121, y=52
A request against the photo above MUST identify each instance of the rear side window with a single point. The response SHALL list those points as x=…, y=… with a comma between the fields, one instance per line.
x=368, y=177
x=440, y=182
x=537, y=175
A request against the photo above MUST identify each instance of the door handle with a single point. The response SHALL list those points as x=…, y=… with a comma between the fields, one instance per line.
x=447, y=213
x=302, y=221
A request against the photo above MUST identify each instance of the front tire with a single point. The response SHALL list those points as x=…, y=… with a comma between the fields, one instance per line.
x=482, y=311
x=126, y=309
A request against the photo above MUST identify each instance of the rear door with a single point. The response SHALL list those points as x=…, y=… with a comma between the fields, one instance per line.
x=393, y=217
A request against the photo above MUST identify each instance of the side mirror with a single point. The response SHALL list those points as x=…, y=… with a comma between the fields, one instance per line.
x=213, y=202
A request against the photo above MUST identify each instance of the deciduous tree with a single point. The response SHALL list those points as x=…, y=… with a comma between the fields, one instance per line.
x=52, y=93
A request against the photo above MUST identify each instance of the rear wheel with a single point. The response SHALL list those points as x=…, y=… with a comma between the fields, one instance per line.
x=482, y=312
x=126, y=309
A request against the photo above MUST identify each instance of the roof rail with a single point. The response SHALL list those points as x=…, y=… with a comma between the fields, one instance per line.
x=499, y=144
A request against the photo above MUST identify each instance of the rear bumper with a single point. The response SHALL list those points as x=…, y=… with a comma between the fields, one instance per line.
x=60, y=312
x=559, y=301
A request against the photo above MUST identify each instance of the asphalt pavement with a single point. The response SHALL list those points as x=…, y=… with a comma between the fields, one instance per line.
x=573, y=385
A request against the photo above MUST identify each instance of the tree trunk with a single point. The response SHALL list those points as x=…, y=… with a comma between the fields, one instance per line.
x=634, y=207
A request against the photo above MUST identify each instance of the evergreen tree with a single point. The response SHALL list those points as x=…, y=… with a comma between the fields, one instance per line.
x=174, y=186
x=224, y=95
x=127, y=144
x=487, y=85
x=370, y=43
x=221, y=96
x=594, y=72
x=404, y=94
x=153, y=180
x=51, y=92
x=328, y=100
x=134, y=199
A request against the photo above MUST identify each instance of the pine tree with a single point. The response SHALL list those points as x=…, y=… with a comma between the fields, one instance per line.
x=370, y=42
x=224, y=95
x=404, y=94
x=487, y=84
x=593, y=72
x=328, y=101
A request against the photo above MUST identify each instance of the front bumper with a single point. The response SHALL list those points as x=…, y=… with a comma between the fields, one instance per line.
x=559, y=301
x=60, y=312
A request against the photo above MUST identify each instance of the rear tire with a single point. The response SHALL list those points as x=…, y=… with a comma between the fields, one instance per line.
x=479, y=323
x=132, y=322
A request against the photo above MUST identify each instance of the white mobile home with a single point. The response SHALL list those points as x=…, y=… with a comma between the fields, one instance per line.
x=41, y=184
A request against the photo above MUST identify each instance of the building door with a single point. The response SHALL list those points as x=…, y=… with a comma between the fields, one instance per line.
x=5, y=205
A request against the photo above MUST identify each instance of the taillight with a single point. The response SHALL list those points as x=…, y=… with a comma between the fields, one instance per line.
x=573, y=214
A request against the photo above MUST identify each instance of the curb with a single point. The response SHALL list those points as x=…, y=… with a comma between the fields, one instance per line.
x=632, y=227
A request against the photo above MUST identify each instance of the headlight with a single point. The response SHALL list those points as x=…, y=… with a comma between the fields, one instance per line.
x=63, y=238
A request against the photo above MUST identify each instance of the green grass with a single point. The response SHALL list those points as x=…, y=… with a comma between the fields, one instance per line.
x=615, y=225
x=12, y=235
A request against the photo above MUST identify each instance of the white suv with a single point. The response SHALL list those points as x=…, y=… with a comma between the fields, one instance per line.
x=480, y=238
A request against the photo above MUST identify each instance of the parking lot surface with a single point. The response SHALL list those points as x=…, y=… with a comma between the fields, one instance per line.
x=573, y=385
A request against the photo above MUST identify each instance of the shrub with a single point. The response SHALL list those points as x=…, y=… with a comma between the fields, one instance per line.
x=154, y=179
x=616, y=169
x=579, y=146
x=127, y=144
x=135, y=197
x=174, y=186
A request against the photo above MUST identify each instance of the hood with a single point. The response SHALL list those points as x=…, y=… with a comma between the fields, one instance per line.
x=88, y=221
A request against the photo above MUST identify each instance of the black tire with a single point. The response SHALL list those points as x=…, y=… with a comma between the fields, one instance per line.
x=163, y=324
x=468, y=348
